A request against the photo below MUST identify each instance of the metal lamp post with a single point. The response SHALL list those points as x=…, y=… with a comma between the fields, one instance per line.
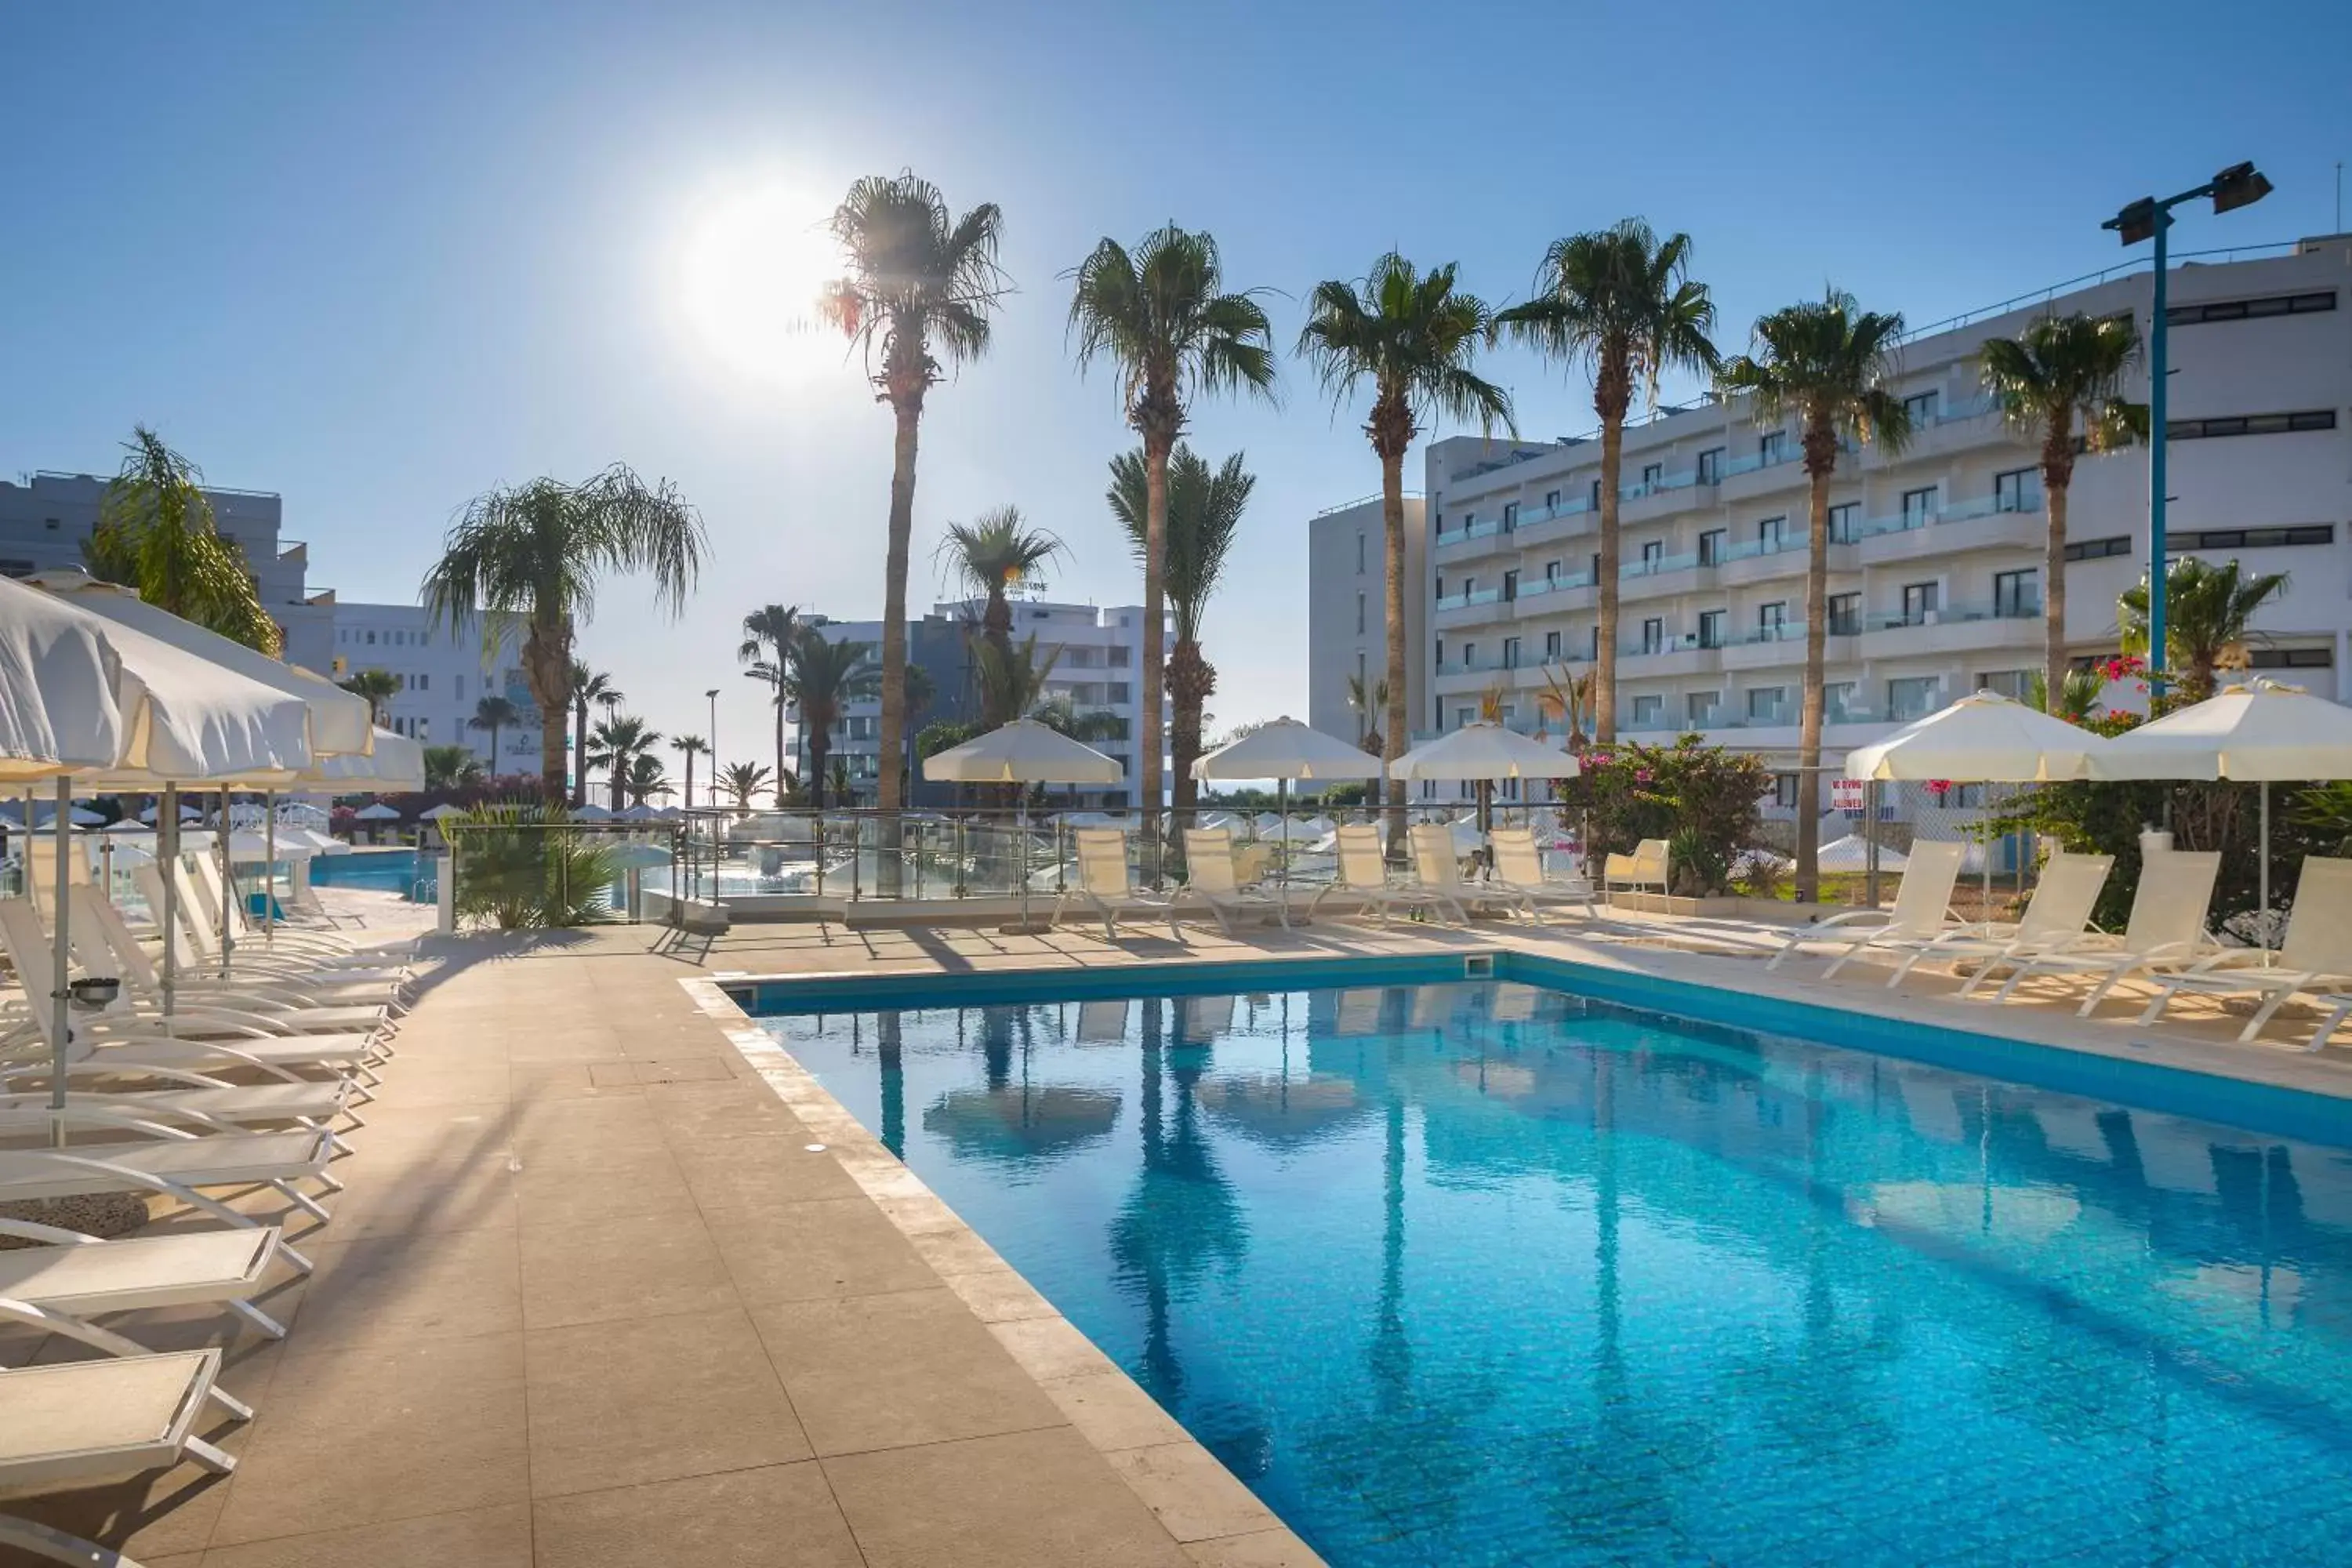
x=2238, y=186
x=713, y=695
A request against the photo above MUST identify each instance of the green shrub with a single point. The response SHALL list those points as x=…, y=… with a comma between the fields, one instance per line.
x=526, y=868
x=1705, y=801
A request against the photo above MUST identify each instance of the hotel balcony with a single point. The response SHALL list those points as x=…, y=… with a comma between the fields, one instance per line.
x=1951, y=628
x=1674, y=656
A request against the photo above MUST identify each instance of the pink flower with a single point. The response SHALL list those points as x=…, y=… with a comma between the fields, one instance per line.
x=1642, y=775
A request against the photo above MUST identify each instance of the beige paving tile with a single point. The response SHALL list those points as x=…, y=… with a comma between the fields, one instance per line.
x=1195, y=1497
x=825, y=1246
x=1111, y=1411
x=478, y=1538
x=780, y=1517
x=1023, y=1501
x=604, y=1271
x=433, y=1285
x=146, y=1518
x=1259, y=1549
x=652, y=1399
x=744, y=1172
x=1050, y=1348
x=882, y=1371
x=699, y=1113
x=540, y=1081
x=999, y=1296
x=468, y=1197
x=957, y=1251
x=364, y=1437
x=567, y=1195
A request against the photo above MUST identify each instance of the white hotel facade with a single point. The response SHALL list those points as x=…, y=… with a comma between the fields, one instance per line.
x=1935, y=583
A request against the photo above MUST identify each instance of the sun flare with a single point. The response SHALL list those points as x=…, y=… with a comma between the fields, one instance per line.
x=752, y=269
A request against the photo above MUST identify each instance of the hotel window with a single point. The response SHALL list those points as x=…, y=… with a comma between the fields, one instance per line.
x=1919, y=507
x=2248, y=538
x=1784, y=791
x=1359, y=614
x=2010, y=683
x=1469, y=586
x=1511, y=515
x=1648, y=711
x=1920, y=409
x=1842, y=521
x=2250, y=310
x=2016, y=594
x=2250, y=425
x=1464, y=716
x=1772, y=447
x=1652, y=474
x=1710, y=629
x=2100, y=549
x=371, y=639
x=1551, y=572
x=1510, y=653
x=1469, y=656
x=1551, y=501
x=1845, y=615
x=2020, y=489
x=1469, y=522
x=1592, y=641
x=1910, y=696
x=1441, y=587
x=1359, y=552
x=1596, y=567
x=1772, y=620
x=1653, y=554
x=1698, y=708
x=1511, y=585
x=1771, y=534
x=1837, y=705
x=1764, y=703
x=1920, y=600
x=1710, y=546
x=1710, y=465
x=2292, y=658
x=1552, y=645
x=1594, y=498
x=1654, y=636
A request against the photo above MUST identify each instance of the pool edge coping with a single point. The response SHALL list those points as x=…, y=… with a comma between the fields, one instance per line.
x=1166, y=1472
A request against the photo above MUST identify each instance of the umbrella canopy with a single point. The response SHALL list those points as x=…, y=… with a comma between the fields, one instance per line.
x=1483, y=750
x=592, y=812
x=640, y=812
x=80, y=817
x=1852, y=853
x=395, y=763
x=379, y=811
x=340, y=721
x=1983, y=738
x=2251, y=732
x=187, y=813
x=1286, y=749
x=1024, y=752
x=84, y=695
x=444, y=810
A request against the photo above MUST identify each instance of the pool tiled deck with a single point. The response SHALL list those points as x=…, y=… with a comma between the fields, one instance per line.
x=615, y=1285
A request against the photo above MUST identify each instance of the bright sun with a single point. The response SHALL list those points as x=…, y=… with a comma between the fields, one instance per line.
x=753, y=266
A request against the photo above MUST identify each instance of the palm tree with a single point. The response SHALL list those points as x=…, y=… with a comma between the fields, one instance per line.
x=531, y=556
x=2061, y=367
x=2207, y=616
x=379, y=687
x=1412, y=337
x=1012, y=680
x=646, y=777
x=1616, y=302
x=451, y=767
x=1204, y=511
x=768, y=634
x=2078, y=693
x=741, y=781
x=494, y=714
x=1827, y=364
x=689, y=747
x=618, y=742
x=919, y=290
x=1368, y=706
x=1567, y=696
x=586, y=686
x=1161, y=314
x=155, y=532
x=824, y=678
x=991, y=555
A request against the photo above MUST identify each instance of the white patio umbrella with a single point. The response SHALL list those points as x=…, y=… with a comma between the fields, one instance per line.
x=591, y=812
x=444, y=810
x=1283, y=750
x=2257, y=732
x=1983, y=738
x=394, y=764
x=379, y=811
x=1484, y=751
x=1024, y=752
x=1852, y=853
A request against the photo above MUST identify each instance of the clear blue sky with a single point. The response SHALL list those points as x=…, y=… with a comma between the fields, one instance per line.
x=381, y=259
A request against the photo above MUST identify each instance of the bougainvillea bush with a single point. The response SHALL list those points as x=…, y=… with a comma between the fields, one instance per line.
x=1703, y=800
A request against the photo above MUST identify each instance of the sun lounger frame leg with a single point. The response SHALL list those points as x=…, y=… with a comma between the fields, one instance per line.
x=136, y=1179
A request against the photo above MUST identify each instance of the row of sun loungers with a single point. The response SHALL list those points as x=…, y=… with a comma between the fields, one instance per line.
x=246, y=1083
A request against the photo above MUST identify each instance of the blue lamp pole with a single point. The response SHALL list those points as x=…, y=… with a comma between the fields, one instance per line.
x=2240, y=184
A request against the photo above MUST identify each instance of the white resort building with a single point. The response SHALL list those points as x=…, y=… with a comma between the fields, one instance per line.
x=1936, y=561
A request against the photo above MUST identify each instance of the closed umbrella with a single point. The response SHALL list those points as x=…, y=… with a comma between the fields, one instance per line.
x=1283, y=750
x=2256, y=732
x=1024, y=752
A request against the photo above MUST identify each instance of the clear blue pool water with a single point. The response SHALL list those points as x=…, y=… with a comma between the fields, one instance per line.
x=1488, y=1274
x=383, y=870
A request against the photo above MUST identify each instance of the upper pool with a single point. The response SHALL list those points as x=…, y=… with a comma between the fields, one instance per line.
x=1489, y=1273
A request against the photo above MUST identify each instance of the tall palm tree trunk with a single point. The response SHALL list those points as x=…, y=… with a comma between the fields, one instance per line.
x=2054, y=594
x=1192, y=679
x=1604, y=663
x=1156, y=448
x=690, y=780
x=578, y=793
x=894, y=603
x=1809, y=722
x=547, y=669
x=1392, y=617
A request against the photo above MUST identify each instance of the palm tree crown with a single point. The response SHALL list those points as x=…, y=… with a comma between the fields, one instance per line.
x=532, y=556
x=2209, y=612
x=824, y=677
x=993, y=554
x=1616, y=302
x=1162, y=313
x=618, y=742
x=919, y=289
x=768, y=634
x=689, y=747
x=2064, y=366
x=494, y=714
x=587, y=686
x=379, y=687
x=1411, y=337
x=155, y=532
x=741, y=781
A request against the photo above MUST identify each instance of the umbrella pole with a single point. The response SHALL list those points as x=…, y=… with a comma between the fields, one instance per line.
x=1281, y=805
x=167, y=860
x=61, y=955
x=269, y=866
x=228, y=887
x=2265, y=871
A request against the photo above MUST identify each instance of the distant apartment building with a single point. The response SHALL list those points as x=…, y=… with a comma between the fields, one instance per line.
x=1098, y=668
x=443, y=675
x=1936, y=555
x=45, y=517
x=1346, y=611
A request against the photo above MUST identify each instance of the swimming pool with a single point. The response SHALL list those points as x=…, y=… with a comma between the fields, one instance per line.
x=403, y=871
x=1489, y=1273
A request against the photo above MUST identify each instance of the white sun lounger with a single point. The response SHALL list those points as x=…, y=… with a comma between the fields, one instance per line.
x=2058, y=913
x=1103, y=885
x=77, y=1423
x=85, y=1276
x=1210, y=881
x=1922, y=911
x=2166, y=930
x=106, y=945
x=178, y=1167
x=1439, y=871
x=1362, y=872
x=2314, y=961
x=280, y=938
x=1519, y=870
x=343, y=980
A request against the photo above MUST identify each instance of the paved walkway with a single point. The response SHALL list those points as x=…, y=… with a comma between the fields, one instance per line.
x=612, y=1288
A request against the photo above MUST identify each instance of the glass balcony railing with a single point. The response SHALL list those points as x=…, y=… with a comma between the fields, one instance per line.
x=2024, y=609
x=1465, y=601
x=1560, y=585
